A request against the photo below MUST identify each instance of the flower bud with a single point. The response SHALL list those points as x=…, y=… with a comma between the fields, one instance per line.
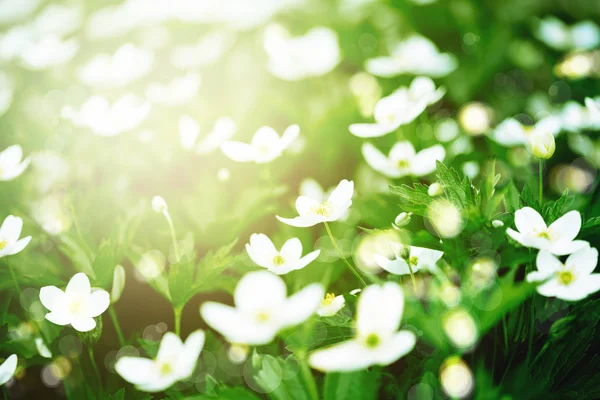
x=435, y=189
x=118, y=283
x=542, y=145
x=401, y=220
x=497, y=223
x=456, y=378
x=159, y=204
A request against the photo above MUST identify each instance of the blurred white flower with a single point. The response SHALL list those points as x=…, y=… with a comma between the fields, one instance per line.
x=576, y=117
x=6, y=91
x=178, y=91
x=58, y=19
x=511, y=132
x=312, y=212
x=266, y=145
x=52, y=214
x=584, y=35
x=577, y=65
x=42, y=349
x=456, y=378
x=15, y=10
x=558, y=238
x=263, y=252
x=118, y=283
x=330, y=305
x=207, y=50
x=7, y=369
x=402, y=159
x=262, y=309
x=159, y=204
x=475, y=118
x=49, y=51
x=10, y=231
x=460, y=327
x=445, y=218
x=238, y=353
x=49, y=169
x=400, y=108
x=11, y=163
x=593, y=106
x=126, y=65
x=189, y=131
x=542, y=145
x=311, y=188
x=418, y=257
x=570, y=281
x=105, y=119
x=416, y=55
x=175, y=361
x=78, y=305
x=293, y=58
x=378, y=341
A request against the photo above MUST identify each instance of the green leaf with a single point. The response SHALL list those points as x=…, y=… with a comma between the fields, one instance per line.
x=360, y=385
x=416, y=199
x=453, y=186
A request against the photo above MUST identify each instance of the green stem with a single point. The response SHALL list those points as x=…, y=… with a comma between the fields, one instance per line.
x=115, y=320
x=95, y=366
x=177, y=311
x=505, y=329
x=173, y=237
x=531, y=334
x=412, y=275
x=541, y=182
x=308, y=376
x=14, y=277
x=354, y=271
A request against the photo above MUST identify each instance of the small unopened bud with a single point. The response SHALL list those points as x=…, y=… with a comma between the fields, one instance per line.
x=435, y=189
x=159, y=204
x=497, y=223
x=238, y=353
x=542, y=145
x=401, y=220
x=118, y=283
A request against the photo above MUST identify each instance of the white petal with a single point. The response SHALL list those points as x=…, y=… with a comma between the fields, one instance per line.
x=424, y=161
x=303, y=221
x=342, y=193
x=398, y=266
x=236, y=327
x=403, y=150
x=8, y=368
x=515, y=235
x=562, y=248
x=341, y=357
x=591, y=283
x=258, y=291
x=537, y=276
x=59, y=318
x=261, y=249
x=567, y=226
x=528, y=220
x=304, y=204
x=291, y=251
x=256, y=258
x=370, y=130
x=83, y=324
x=11, y=156
x=20, y=245
x=307, y=259
x=159, y=384
x=11, y=228
x=547, y=263
x=550, y=288
x=79, y=284
x=238, y=151
x=52, y=298
x=311, y=189
x=170, y=345
x=289, y=136
x=98, y=302
x=135, y=370
x=427, y=257
x=583, y=261
x=186, y=363
x=379, y=309
x=302, y=305
x=42, y=349
x=397, y=346
x=380, y=163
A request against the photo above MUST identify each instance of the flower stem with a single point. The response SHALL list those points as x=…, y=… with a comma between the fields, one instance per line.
x=95, y=366
x=177, y=311
x=541, y=182
x=354, y=271
x=307, y=375
x=412, y=275
x=173, y=237
x=14, y=277
x=115, y=320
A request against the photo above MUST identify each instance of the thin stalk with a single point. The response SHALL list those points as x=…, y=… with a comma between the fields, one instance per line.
x=354, y=271
x=173, y=237
x=115, y=320
x=531, y=333
x=177, y=311
x=308, y=376
x=412, y=275
x=95, y=366
x=541, y=182
x=505, y=329
x=16, y=282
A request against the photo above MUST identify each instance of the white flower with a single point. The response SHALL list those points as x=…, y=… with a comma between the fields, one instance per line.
x=293, y=58
x=58, y=19
x=175, y=361
x=266, y=145
x=312, y=212
x=11, y=163
x=7, y=369
x=311, y=188
x=10, y=231
x=50, y=51
x=542, y=145
x=107, y=119
x=262, y=309
x=263, y=252
x=42, y=349
x=189, y=131
x=416, y=55
x=208, y=49
x=14, y=10
x=126, y=65
x=583, y=35
x=178, y=91
x=399, y=108
x=78, y=305
x=435, y=189
x=377, y=341
x=51, y=213
x=575, y=117
x=511, y=132
x=118, y=283
x=159, y=204
x=456, y=378
x=570, y=281
x=402, y=159
x=419, y=258
x=558, y=238
x=330, y=305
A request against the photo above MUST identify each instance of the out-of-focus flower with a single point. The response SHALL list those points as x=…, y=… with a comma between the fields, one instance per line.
x=584, y=35
x=126, y=65
x=58, y=19
x=50, y=51
x=570, y=281
x=445, y=218
x=48, y=170
x=330, y=305
x=77, y=306
x=456, y=378
x=400, y=108
x=263, y=252
x=8, y=368
x=576, y=117
x=558, y=238
x=265, y=146
x=106, y=119
x=42, y=349
x=159, y=204
x=262, y=309
x=367, y=92
x=416, y=55
x=52, y=214
x=511, y=132
x=593, y=106
x=238, y=353
x=418, y=257
x=10, y=244
x=312, y=212
x=207, y=50
x=175, y=92
x=377, y=341
x=435, y=189
x=460, y=328
x=293, y=58
x=189, y=131
x=15, y=10
x=175, y=361
x=401, y=220
x=118, y=283
x=6, y=92
x=577, y=65
x=11, y=163
x=542, y=145
x=475, y=118
x=402, y=159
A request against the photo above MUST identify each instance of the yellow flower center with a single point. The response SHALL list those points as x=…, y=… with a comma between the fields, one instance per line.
x=372, y=340
x=323, y=209
x=278, y=260
x=528, y=129
x=544, y=234
x=565, y=277
x=264, y=149
x=403, y=164
x=263, y=316
x=76, y=306
x=414, y=261
x=329, y=297
x=3, y=243
x=166, y=369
